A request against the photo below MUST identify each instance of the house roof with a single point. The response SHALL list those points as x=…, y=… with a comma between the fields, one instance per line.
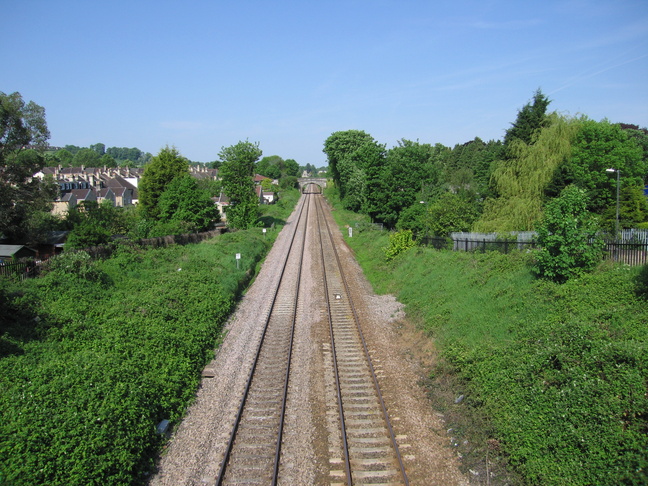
x=8, y=251
x=83, y=194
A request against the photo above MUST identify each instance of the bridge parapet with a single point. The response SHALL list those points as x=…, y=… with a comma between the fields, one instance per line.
x=304, y=181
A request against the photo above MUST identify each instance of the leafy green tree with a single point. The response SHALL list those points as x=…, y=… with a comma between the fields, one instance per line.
x=291, y=168
x=158, y=174
x=22, y=196
x=410, y=168
x=85, y=235
x=338, y=147
x=64, y=157
x=449, y=213
x=522, y=179
x=99, y=148
x=470, y=165
x=568, y=237
x=184, y=201
x=107, y=161
x=598, y=146
x=633, y=210
x=21, y=125
x=86, y=157
x=270, y=166
x=237, y=173
x=288, y=182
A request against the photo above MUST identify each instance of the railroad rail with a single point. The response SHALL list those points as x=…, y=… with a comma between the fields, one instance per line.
x=365, y=449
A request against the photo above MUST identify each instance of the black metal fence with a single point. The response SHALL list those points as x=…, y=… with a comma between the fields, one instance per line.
x=629, y=253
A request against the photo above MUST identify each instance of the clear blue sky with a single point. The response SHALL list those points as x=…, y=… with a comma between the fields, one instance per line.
x=200, y=75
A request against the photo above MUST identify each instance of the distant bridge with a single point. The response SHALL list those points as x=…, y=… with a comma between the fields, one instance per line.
x=305, y=181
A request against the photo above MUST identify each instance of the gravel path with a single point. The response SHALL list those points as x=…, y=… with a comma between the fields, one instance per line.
x=194, y=453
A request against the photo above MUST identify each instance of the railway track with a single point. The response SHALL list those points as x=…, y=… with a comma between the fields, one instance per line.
x=362, y=446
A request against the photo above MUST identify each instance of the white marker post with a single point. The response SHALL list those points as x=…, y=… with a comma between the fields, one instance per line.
x=238, y=257
x=350, y=232
x=264, y=232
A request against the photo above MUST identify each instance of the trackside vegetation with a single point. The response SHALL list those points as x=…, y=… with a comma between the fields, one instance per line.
x=94, y=355
x=554, y=375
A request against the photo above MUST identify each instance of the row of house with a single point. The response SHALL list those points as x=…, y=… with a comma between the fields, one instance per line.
x=119, y=185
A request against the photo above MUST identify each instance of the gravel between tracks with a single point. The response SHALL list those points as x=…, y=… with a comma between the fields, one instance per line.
x=195, y=450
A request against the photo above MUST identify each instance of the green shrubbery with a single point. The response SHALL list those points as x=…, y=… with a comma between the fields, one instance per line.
x=96, y=354
x=560, y=370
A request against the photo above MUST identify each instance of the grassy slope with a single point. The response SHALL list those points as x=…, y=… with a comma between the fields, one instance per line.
x=560, y=372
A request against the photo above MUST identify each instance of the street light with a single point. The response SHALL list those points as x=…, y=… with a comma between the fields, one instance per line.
x=618, y=173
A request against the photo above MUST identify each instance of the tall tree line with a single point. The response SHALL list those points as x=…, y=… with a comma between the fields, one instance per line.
x=494, y=186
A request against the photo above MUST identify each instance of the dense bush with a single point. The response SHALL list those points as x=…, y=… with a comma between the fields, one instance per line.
x=568, y=237
x=96, y=354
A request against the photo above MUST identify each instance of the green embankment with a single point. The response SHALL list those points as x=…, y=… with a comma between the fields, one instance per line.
x=559, y=371
x=95, y=354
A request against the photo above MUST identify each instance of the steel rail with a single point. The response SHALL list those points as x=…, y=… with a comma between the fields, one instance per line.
x=369, y=362
x=230, y=444
x=345, y=445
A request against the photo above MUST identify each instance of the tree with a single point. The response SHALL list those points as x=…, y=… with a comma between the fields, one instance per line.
x=449, y=213
x=338, y=147
x=106, y=160
x=184, y=201
x=522, y=179
x=21, y=125
x=270, y=166
x=158, y=174
x=568, y=237
x=598, y=146
x=22, y=196
x=409, y=167
x=64, y=157
x=99, y=148
x=87, y=158
x=291, y=168
x=530, y=120
x=237, y=173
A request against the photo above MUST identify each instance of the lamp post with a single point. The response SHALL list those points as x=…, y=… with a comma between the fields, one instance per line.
x=618, y=173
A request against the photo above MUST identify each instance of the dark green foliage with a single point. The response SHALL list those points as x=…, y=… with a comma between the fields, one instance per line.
x=642, y=282
x=237, y=172
x=406, y=170
x=22, y=196
x=338, y=147
x=448, y=213
x=530, y=120
x=86, y=157
x=598, y=146
x=85, y=235
x=184, y=201
x=568, y=238
x=94, y=224
x=158, y=174
x=96, y=354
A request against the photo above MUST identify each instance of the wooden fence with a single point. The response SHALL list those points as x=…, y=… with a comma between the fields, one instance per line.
x=19, y=270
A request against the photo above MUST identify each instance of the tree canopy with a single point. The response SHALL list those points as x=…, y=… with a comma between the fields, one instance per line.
x=183, y=201
x=237, y=173
x=22, y=196
x=158, y=174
